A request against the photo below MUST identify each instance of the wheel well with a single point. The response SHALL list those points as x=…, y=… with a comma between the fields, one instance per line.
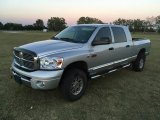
x=142, y=51
x=80, y=65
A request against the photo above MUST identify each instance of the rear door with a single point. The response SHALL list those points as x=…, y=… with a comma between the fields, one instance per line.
x=122, y=47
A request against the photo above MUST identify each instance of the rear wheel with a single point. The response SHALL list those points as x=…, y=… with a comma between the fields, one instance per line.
x=138, y=64
x=74, y=83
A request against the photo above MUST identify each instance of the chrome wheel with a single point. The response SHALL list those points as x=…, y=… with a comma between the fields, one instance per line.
x=138, y=64
x=74, y=84
x=77, y=85
x=141, y=63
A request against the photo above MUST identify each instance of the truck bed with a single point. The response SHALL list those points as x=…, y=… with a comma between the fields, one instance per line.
x=137, y=39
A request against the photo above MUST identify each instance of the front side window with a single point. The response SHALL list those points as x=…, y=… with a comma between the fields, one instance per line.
x=103, y=33
x=76, y=34
x=119, y=34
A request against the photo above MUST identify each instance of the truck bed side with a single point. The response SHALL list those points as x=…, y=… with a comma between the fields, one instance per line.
x=141, y=43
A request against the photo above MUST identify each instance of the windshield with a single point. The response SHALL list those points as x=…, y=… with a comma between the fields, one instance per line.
x=76, y=34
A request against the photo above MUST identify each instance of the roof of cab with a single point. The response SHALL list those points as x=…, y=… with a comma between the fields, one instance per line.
x=100, y=25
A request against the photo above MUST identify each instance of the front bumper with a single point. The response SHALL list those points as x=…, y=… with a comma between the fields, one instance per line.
x=38, y=79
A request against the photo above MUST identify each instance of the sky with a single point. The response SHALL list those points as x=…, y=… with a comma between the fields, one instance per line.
x=28, y=11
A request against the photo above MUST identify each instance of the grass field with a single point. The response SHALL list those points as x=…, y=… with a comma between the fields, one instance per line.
x=122, y=95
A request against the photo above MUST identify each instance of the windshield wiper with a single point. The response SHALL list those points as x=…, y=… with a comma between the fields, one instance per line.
x=67, y=39
x=55, y=38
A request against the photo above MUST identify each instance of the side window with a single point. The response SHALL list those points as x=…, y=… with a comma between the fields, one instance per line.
x=119, y=34
x=103, y=33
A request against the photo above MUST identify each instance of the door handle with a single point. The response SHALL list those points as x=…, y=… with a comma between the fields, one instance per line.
x=127, y=45
x=111, y=48
x=93, y=55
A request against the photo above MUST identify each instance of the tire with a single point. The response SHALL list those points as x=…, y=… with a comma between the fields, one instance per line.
x=138, y=64
x=74, y=84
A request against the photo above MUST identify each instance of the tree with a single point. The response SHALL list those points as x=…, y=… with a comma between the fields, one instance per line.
x=120, y=22
x=135, y=25
x=158, y=23
x=29, y=27
x=139, y=25
x=129, y=23
x=1, y=26
x=56, y=23
x=39, y=25
x=151, y=24
x=13, y=26
x=158, y=20
x=88, y=20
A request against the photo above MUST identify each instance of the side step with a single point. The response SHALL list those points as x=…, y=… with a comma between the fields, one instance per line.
x=110, y=71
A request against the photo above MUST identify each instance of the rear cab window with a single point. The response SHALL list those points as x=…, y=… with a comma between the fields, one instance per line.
x=119, y=34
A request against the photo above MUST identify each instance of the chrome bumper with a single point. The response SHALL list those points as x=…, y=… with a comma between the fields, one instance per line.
x=38, y=79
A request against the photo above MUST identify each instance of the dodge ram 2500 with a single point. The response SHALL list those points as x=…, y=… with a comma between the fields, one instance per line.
x=77, y=54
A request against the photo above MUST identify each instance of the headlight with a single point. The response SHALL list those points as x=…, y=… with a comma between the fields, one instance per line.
x=50, y=63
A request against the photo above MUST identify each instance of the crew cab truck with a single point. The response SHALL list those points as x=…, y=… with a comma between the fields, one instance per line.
x=77, y=54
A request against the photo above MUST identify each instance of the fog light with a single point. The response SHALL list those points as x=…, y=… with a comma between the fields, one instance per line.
x=40, y=83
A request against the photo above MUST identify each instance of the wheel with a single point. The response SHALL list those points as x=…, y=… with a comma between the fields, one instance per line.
x=138, y=64
x=74, y=83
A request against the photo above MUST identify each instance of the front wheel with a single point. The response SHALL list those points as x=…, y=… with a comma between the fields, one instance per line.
x=74, y=83
x=138, y=64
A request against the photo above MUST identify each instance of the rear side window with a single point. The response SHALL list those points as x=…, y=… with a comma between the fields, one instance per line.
x=104, y=32
x=119, y=34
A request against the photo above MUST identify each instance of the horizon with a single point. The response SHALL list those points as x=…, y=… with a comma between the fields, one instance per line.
x=25, y=13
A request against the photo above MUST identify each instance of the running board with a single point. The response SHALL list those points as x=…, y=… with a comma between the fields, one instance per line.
x=110, y=71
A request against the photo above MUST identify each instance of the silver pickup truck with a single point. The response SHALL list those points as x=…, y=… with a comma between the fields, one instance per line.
x=76, y=55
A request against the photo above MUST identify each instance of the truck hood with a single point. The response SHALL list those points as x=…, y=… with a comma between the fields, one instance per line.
x=50, y=46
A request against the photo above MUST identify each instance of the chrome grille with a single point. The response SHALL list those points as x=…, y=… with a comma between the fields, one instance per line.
x=28, y=57
x=25, y=59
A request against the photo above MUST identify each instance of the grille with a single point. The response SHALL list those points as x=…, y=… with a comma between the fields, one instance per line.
x=25, y=59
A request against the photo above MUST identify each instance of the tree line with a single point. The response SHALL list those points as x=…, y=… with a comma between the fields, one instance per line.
x=53, y=24
x=151, y=24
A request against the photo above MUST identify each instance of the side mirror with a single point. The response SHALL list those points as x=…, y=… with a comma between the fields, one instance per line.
x=101, y=41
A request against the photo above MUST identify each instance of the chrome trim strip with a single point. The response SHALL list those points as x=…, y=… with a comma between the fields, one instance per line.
x=112, y=70
x=27, y=60
x=109, y=72
x=126, y=66
x=20, y=77
x=22, y=66
x=22, y=58
x=111, y=63
x=25, y=80
x=95, y=76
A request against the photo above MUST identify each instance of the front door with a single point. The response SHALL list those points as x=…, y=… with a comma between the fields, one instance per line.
x=102, y=56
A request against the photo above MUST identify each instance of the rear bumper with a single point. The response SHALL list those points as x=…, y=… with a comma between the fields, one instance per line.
x=38, y=79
